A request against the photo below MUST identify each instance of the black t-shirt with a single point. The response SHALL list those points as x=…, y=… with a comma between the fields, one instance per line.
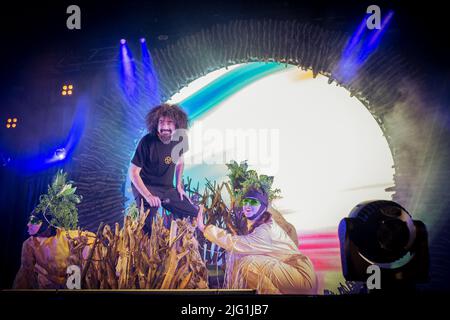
x=154, y=157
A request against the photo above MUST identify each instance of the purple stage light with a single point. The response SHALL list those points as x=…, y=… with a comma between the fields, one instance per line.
x=142, y=40
x=122, y=41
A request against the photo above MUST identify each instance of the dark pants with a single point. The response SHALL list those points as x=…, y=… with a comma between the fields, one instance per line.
x=170, y=200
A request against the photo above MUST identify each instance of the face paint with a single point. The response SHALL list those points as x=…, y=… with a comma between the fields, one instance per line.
x=252, y=208
x=34, y=220
x=34, y=225
x=250, y=202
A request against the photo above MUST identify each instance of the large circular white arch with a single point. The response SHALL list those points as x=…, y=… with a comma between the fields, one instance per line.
x=324, y=148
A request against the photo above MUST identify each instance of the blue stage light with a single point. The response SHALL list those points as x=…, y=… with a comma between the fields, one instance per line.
x=359, y=47
x=150, y=74
x=60, y=154
x=127, y=67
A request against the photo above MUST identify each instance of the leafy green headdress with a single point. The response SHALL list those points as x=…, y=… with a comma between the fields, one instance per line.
x=59, y=204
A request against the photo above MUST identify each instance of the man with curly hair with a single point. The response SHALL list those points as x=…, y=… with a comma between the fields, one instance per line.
x=155, y=162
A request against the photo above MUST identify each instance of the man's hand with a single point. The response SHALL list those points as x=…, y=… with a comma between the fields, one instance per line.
x=182, y=193
x=153, y=201
x=200, y=224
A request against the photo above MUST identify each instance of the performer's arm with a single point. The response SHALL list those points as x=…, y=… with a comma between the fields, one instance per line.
x=179, y=172
x=258, y=242
x=179, y=167
x=136, y=179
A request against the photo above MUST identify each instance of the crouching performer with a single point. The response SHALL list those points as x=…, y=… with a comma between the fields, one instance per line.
x=46, y=254
x=154, y=165
x=266, y=259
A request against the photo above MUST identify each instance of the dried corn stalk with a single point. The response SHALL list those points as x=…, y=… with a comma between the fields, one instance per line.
x=129, y=259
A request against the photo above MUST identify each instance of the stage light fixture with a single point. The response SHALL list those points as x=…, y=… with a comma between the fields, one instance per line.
x=11, y=123
x=4, y=159
x=383, y=233
x=60, y=154
x=142, y=40
x=67, y=90
x=123, y=41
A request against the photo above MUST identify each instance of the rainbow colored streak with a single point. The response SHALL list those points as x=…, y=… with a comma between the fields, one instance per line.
x=226, y=85
x=323, y=250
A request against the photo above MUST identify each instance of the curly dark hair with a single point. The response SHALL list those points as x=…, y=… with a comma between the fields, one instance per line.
x=166, y=110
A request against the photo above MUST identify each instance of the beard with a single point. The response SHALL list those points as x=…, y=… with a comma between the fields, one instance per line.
x=165, y=136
